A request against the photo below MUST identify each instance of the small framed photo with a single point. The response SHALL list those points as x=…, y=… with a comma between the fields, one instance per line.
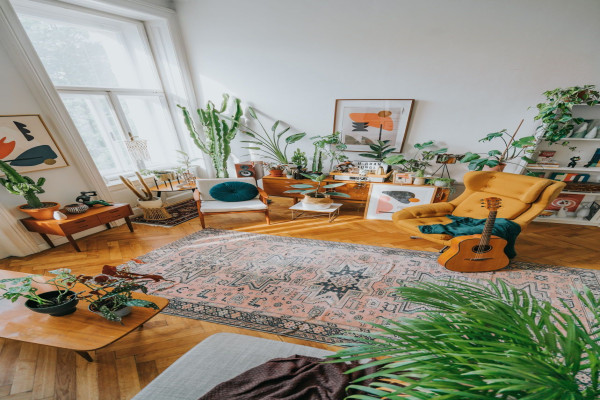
x=448, y=158
x=405, y=178
x=27, y=145
x=385, y=199
x=365, y=121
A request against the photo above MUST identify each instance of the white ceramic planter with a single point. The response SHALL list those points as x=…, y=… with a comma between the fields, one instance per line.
x=156, y=203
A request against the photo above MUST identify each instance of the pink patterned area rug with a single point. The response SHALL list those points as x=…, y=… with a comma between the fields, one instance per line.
x=314, y=289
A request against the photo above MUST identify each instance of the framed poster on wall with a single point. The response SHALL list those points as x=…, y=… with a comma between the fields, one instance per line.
x=27, y=145
x=362, y=122
x=385, y=199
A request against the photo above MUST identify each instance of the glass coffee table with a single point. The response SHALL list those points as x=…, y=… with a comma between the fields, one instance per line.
x=299, y=211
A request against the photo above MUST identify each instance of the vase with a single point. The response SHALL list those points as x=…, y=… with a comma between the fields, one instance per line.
x=318, y=203
x=41, y=213
x=419, y=180
x=591, y=133
x=276, y=172
x=583, y=211
x=155, y=203
x=76, y=208
x=58, y=310
x=562, y=213
x=121, y=312
x=580, y=132
x=498, y=168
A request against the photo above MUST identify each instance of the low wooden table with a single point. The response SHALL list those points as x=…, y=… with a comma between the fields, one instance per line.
x=83, y=331
x=75, y=223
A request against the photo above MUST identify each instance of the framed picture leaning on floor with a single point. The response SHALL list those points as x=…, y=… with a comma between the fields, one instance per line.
x=385, y=199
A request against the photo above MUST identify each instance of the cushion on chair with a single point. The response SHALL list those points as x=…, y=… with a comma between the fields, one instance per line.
x=204, y=185
x=216, y=206
x=471, y=206
x=233, y=191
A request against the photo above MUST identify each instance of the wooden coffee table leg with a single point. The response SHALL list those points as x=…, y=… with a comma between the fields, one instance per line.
x=85, y=355
x=129, y=225
x=47, y=240
x=73, y=243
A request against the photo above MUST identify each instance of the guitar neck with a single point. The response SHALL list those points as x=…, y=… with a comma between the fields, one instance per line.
x=487, y=229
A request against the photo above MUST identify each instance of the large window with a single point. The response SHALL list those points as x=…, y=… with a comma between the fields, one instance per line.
x=104, y=71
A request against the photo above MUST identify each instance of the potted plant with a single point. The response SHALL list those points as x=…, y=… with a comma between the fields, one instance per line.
x=110, y=293
x=185, y=167
x=328, y=147
x=496, y=160
x=269, y=144
x=59, y=302
x=419, y=161
x=313, y=197
x=218, y=134
x=556, y=114
x=299, y=159
x=26, y=187
x=379, y=151
x=480, y=341
x=276, y=169
x=442, y=182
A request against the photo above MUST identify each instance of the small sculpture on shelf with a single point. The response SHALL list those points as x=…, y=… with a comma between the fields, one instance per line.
x=86, y=198
x=573, y=162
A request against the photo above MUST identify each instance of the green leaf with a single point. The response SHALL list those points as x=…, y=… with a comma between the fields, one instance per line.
x=274, y=127
x=494, y=153
x=141, y=303
x=302, y=186
x=368, y=155
x=338, y=194
x=252, y=112
x=294, y=138
x=294, y=191
x=470, y=157
x=333, y=185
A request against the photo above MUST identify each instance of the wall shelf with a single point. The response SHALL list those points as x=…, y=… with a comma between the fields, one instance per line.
x=591, y=169
x=572, y=221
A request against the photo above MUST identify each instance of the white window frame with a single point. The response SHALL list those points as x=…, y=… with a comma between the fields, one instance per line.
x=161, y=29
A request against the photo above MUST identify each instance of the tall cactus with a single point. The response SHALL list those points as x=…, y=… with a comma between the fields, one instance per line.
x=218, y=132
x=22, y=185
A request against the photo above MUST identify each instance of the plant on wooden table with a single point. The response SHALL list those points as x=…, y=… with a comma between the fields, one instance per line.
x=328, y=147
x=475, y=341
x=313, y=196
x=419, y=161
x=556, y=114
x=24, y=186
x=112, y=290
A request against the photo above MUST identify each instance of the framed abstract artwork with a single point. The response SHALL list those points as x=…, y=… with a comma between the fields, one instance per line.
x=385, y=199
x=362, y=122
x=27, y=145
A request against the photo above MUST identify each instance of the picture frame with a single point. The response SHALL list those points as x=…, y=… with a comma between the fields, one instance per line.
x=364, y=121
x=27, y=145
x=402, y=178
x=385, y=199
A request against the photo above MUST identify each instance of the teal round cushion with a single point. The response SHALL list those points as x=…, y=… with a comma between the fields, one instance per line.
x=233, y=191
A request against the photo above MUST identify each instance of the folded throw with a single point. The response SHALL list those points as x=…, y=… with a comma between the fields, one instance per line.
x=292, y=378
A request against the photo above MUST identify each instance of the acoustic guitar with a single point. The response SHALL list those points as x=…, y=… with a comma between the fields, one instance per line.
x=477, y=253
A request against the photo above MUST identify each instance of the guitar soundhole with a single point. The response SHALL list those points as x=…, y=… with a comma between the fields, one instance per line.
x=481, y=249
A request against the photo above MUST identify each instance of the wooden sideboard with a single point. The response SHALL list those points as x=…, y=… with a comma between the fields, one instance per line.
x=75, y=223
x=358, y=192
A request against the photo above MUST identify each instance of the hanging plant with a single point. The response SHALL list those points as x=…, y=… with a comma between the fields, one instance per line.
x=556, y=113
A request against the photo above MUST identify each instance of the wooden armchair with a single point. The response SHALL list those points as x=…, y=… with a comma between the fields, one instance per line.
x=207, y=205
x=523, y=199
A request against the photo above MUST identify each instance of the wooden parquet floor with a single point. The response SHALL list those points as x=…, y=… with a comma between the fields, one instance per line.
x=29, y=371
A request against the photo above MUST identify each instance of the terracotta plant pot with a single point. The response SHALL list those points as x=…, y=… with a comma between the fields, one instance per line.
x=497, y=168
x=318, y=203
x=41, y=213
x=276, y=172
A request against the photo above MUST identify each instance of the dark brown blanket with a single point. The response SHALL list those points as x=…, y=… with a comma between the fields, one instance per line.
x=293, y=378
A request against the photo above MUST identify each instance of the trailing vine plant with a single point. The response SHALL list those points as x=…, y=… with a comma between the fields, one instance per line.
x=556, y=113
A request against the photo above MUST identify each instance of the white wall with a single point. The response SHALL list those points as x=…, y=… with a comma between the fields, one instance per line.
x=474, y=66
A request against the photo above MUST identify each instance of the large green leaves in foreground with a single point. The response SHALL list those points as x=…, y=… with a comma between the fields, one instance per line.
x=481, y=342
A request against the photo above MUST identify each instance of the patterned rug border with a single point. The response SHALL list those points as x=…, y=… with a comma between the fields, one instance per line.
x=288, y=326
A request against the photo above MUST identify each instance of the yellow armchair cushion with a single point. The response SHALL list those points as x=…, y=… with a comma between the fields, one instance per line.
x=524, y=188
x=471, y=207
